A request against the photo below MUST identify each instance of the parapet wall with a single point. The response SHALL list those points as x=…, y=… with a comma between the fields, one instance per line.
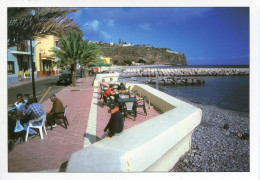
x=155, y=98
x=154, y=145
x=107, y=77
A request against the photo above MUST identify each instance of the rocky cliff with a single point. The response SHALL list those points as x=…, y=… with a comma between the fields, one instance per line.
x=143, y=54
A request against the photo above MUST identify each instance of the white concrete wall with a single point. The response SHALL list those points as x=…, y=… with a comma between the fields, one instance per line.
x=154, y=145
x=160, y=100
x=107, y=77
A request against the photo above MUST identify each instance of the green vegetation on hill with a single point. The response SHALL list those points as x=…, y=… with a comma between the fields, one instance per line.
x=142, y=54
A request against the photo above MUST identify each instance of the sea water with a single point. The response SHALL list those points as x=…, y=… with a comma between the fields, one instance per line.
x=227, y=92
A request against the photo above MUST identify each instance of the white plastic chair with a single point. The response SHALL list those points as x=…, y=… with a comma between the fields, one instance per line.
x=41, y=119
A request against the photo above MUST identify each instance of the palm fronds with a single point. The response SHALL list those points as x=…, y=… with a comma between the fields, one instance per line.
x=28, y=23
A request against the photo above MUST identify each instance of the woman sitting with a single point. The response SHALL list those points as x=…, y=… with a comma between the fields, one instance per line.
x=104, y=83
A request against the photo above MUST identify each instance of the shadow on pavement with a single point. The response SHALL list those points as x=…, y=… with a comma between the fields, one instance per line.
x=92, y=138
x=99, y=103
x=63, y=167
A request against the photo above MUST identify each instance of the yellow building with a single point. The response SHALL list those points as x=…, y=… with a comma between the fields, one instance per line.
x=106, y=60
x=44, y=59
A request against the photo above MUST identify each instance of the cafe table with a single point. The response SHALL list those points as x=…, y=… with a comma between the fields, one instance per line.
x=122, y=103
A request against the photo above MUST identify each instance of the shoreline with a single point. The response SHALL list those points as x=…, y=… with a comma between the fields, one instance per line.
x=216, y=106
x=214, y=147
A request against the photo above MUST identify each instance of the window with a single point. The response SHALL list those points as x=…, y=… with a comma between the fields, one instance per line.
x=10, y=67
x=56, y=43
x=22, y=46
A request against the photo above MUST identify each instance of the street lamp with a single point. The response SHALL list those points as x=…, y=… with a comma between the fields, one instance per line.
x=33, y=68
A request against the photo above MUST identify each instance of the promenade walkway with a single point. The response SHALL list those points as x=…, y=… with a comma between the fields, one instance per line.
x=87, y=119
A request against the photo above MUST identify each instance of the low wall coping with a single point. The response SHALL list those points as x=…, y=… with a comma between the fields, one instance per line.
x=99, y=77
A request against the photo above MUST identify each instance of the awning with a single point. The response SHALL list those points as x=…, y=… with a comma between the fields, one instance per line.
x=99, y=64
x=44, y=57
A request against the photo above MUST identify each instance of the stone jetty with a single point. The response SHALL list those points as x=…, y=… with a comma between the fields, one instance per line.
x=152, y=72
x=175, y=80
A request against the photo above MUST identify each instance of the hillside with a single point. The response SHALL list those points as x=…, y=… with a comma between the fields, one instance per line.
x=142, y=54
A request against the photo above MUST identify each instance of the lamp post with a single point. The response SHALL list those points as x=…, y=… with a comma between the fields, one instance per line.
x=33, y=68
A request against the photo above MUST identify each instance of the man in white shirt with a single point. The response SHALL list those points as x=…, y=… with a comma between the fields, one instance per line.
x=20, y=105
x=111, y=81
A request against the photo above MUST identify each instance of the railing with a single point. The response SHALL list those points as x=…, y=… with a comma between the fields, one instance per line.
x=25, y=48
x=22, y=47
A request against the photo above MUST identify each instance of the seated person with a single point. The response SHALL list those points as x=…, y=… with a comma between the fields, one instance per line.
x=115, y=125
x=111, y=81
x=55, y=112
x=34, y=110
x=20, y=105
x=109, y=92
x=104, y=83
x=121, y=88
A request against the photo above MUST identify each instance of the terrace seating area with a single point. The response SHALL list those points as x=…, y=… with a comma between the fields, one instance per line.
x=51, y=154
x=156, y=119
x=132, y=114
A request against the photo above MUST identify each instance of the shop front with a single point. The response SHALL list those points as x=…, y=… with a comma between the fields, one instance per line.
x=46, y=66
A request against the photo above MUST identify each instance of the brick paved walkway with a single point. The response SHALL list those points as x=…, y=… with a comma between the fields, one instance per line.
x=56, y=147
x=87, y=119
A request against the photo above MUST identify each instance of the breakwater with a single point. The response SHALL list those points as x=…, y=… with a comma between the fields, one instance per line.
x=152, y=72
x=169, y=80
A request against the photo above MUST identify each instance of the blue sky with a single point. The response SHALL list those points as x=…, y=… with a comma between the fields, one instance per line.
x=207, y=36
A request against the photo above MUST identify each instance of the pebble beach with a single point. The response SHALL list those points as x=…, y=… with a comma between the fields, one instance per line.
x=215, y=146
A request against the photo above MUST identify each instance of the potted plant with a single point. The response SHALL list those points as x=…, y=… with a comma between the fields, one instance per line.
x=27, y=74
x=20, y=73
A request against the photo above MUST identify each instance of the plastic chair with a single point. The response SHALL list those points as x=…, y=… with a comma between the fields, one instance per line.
x=63, y=118
x=135, y=93
x=129, y=88
x=130, y=107
x=41, y=119
x=142, y=105
x=109, y=100
x=103, y=89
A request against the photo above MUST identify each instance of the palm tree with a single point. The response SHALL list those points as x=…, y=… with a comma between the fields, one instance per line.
x=74, y=50
x=28, y=23
x=91, y=55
